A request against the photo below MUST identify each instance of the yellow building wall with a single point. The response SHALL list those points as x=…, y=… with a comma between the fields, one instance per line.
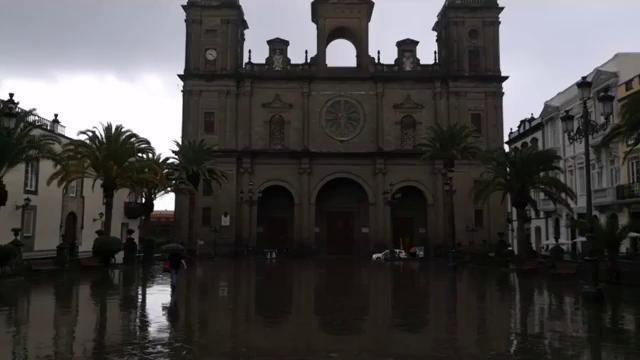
x=622, y=95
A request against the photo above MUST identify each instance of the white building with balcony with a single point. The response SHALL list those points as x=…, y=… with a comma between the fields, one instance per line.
x=612, y=178
x=48, y=215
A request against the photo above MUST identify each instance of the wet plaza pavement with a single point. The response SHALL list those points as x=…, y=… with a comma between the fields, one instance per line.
x=323, y=309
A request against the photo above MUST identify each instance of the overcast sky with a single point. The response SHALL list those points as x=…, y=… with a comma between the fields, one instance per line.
x=96, y=61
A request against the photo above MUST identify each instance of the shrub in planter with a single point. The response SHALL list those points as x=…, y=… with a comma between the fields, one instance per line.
x=106, y=247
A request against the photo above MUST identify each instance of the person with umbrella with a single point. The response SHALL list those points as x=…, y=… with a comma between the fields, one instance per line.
x=175, y=261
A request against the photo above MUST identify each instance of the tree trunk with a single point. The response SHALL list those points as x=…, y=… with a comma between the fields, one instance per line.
x=191, y=221
x=146, y=219
x=521, y=238
x=108, y=210
x=614, y=271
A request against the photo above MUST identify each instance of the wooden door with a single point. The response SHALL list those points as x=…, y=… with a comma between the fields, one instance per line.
x=277, y=233
x=403, y=233
x=340, y=233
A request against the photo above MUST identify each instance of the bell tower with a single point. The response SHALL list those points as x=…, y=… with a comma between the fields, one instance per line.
x=469, y=37
x=215, y=36
x=342, y=19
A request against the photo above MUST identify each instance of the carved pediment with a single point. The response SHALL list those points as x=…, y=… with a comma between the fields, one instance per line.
x=408, y=104
x=277, y=104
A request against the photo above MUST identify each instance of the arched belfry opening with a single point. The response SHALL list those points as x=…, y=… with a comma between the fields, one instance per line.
x=343, y=20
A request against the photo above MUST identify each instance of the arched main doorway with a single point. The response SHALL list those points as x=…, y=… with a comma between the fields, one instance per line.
x=409, y=218
x=70, y=228
x=275, y=219
x=342, y=218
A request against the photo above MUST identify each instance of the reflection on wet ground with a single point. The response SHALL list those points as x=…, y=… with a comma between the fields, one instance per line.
x=321, y=309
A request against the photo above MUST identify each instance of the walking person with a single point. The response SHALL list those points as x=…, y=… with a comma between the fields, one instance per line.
x=175, y=262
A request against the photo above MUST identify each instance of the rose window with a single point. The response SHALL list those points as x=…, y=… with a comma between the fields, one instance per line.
x=343, y=119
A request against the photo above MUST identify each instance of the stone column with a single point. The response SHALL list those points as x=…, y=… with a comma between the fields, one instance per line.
x=306, y=119
x=304, y=216
x=382, y=214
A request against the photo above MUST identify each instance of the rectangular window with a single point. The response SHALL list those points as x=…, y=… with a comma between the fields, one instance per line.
x=207, y=190
x=552, y=137
x=476, y=122
x=31, y=170
x=478, y=218
x=73, y=189
x=596, y=176
x=206, y=216
x=628, y=86
x=614, y=173
x=571, y=179
x=28, y=222
x=474, y=61
x=582, y=183
x=210, y=123
x=634, y=171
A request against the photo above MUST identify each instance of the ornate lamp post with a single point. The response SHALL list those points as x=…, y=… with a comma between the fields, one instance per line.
x=585, y=130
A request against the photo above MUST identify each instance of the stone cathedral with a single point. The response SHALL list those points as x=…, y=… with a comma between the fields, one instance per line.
x=322, y=159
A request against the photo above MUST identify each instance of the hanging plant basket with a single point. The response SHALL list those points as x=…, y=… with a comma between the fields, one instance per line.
x=133, y=210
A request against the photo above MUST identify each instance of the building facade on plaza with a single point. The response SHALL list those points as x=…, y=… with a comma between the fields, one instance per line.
x=48, y=215
x=324, y=158
x=615, y=182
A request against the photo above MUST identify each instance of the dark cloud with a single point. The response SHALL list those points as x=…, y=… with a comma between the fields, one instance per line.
x=90, y=35
x=546, y=44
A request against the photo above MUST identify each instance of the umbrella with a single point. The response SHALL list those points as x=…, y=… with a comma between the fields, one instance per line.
x=633, y=235
x=172, y=248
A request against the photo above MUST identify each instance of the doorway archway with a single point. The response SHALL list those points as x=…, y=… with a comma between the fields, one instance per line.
x=70, y=228
x=342, y=218
x=275, y=219
x=409, y=218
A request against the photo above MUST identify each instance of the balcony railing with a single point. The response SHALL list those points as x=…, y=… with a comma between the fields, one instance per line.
x=628, y=192
x=604, y=195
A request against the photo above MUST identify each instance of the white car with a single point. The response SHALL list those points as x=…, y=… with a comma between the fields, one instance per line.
x=386, y=255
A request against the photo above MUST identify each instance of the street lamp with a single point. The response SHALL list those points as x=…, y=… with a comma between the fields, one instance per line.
x=25, y=204
x=585, y=130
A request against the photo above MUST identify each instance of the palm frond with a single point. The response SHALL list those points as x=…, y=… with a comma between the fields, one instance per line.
x=450, y=143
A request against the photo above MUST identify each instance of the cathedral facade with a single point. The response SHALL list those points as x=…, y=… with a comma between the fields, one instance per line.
x=324, y=159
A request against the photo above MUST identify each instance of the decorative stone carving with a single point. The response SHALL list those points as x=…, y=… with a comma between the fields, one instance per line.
x=408, y=105
x=342, y=119
x=408, y=61
x=278, y=104
x=278, y=61
x=408, y=127
x=277, y=132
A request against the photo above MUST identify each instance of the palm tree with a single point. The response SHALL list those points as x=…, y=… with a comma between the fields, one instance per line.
x=449, y=144
x=609, y=236
x=519, y=173
x=628, y=129
x=191, y=166
x=150, y=181
x=20, y=143
x=109, y=154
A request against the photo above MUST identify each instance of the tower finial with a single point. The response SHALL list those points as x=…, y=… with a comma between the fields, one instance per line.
x=306, y=56
x=250, y=56
x=378, y=56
